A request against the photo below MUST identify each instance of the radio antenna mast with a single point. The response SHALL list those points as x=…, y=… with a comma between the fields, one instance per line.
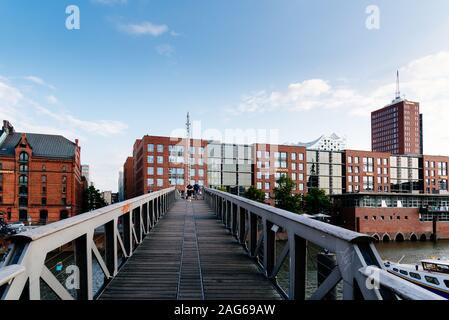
x=188, y=138
x=398, y=90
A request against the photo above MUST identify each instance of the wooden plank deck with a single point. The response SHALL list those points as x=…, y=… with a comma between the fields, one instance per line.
x=190, y=256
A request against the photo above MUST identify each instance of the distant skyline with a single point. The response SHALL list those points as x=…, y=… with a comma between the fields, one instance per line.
x=136, y=67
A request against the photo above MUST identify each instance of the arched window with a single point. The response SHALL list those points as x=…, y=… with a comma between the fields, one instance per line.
x=23, y=168
x=64, y=168
x=44, y=167
x=24, y=157
x=44, y=179
x=23, y=179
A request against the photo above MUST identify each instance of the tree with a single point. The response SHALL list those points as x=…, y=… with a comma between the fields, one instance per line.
x=316, y=201
x=255, y=194
x=92, y=199
x=285, y=199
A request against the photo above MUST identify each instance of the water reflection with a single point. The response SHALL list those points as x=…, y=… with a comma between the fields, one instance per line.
x=413, y=252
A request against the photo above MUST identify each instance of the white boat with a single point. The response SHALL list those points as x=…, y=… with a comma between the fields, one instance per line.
x=431, y=274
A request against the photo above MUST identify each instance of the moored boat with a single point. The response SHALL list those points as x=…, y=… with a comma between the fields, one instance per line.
x=431, y=274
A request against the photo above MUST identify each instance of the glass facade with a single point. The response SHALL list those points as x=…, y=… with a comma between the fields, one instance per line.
x=229, y=166
x=324, y=171
x=405, y=174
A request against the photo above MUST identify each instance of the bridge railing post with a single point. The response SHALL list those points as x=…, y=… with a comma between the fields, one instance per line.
x=252, y=234
x=83, y=260
x=137, y=224
x=298, y=267
x=127, y=233
x=242, y=225
x=269, y=244
x=234, y=219
x=111, y=247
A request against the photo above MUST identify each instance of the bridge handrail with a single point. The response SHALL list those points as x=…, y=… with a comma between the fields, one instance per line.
x=44, y=231
x=355, y=253
x=9, y=273
x=267, y=211
x=29, y=249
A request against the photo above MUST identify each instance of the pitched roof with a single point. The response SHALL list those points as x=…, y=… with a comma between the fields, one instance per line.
x=43, y=145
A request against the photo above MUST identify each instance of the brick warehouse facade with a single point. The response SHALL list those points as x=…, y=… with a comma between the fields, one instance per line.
x=339, y=173
x=40, y=177
x=161, y=162
x=272, y=161
x=395, y=216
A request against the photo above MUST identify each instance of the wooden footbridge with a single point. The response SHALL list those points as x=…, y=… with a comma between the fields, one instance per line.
x=159, y=246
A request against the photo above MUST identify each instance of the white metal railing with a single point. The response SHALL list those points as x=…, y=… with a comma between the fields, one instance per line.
x=358, y=264
x=24, y=266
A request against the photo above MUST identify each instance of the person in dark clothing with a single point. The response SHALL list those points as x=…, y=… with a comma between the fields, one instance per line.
x=189, y=192
x=196, y=190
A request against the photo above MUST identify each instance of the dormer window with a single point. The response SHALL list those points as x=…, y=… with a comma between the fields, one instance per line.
x=24, y=157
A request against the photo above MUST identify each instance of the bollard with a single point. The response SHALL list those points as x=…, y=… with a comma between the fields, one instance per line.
x=326, y=262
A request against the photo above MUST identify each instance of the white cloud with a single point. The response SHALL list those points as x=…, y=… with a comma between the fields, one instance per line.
x=52, y=99
x=39, y=81
x=425, y=80
x=144, y=28
x=29, y=114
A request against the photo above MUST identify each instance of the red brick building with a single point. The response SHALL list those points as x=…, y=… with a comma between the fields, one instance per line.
x=128, y=178
x=162, y=162
x=395, y=216
x=366, y=171
x=435, y=174
x=396, y=128
x=40, y=177
x=273, y=161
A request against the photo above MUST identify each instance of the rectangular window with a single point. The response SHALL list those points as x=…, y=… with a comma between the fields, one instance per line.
x=150, y=171
x=160, y=182
x=160, y=160
x=150, y=148
x=150, y=159
x=160, y=171
x=160, y=148
x=293, y=155
x=259, y=185
x=200, y=173
x=267, y=186
x=294, y=166
x=150, y=182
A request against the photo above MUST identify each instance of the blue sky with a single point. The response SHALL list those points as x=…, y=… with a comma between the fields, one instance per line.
x=136, y=67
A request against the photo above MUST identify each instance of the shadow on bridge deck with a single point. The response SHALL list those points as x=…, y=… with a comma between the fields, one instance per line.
x=190, y=255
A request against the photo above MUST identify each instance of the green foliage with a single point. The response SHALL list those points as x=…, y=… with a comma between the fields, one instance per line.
x=285, y=199
x=316, y=201
x=221, y=188
x=255, y=194
x=92, y=199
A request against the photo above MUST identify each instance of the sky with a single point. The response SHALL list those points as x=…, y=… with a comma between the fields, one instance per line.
x=289, y=70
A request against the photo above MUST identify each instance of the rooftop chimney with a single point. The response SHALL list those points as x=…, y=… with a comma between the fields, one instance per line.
x=7, y=127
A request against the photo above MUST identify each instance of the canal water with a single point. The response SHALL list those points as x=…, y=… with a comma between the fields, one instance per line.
x=413, y=252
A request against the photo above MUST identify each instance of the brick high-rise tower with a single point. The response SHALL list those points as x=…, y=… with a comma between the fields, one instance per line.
x=397, y=127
